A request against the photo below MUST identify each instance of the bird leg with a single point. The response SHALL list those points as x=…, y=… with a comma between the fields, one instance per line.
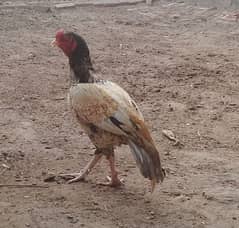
x=82, y=174
x=114, y=181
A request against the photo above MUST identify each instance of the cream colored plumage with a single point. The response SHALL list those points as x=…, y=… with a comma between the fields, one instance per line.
x=96, y=102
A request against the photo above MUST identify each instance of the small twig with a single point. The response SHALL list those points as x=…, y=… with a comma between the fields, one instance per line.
x=3, y=171
x=7, y=107
x=23, y=186
x=5, y=166
x=59, y=98
x=199, y=135
x=170, y=135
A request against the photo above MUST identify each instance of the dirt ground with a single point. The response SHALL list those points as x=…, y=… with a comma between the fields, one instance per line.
x=180, y=61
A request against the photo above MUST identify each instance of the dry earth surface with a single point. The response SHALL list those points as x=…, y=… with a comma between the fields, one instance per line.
x=178, y=59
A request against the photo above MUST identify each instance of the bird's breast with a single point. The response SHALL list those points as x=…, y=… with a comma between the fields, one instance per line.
x=91, y=103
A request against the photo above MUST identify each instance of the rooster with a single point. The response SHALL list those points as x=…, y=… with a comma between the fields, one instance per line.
x=107, y=114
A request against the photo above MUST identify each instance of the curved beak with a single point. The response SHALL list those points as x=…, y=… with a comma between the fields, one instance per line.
x=54, y=43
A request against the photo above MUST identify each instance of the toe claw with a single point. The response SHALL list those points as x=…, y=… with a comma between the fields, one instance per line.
x=76, y=179
x=113, y=182
x=73, y=177
x=108, y=178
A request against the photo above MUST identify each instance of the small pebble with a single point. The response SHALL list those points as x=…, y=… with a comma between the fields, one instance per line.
x=152, y=213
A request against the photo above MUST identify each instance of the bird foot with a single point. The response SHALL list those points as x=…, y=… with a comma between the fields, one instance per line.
x=73, y=177
x=113, y=182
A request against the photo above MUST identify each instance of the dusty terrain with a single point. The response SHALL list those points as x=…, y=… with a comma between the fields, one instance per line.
x=181, y=64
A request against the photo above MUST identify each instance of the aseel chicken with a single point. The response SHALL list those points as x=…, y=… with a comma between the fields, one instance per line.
x=107, y=114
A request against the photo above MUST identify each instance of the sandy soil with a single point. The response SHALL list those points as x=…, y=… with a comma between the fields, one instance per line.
x=180, y=63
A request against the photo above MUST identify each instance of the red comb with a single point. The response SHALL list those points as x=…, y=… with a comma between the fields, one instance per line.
x=60, y=33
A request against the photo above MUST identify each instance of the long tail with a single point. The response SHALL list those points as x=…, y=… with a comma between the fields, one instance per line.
x=148, y=161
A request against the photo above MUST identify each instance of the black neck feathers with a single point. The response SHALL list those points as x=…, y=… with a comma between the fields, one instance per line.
x=80, y=62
